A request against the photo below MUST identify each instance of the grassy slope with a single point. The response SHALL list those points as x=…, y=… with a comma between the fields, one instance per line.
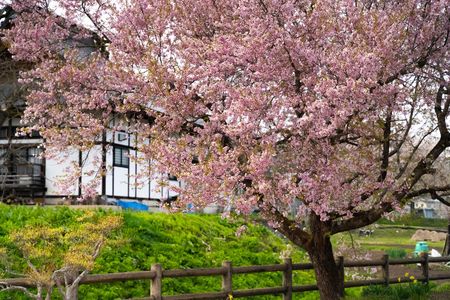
x=175, y=241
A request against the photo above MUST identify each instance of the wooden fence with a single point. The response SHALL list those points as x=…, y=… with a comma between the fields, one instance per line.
x=157, y=274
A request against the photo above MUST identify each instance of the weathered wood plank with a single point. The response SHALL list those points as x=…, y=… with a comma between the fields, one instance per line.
x=259, y=292
x=257, y=269
x=114, y=277
x=305, y=266
x=193, y=272
x=200, y=296
x=363, y=263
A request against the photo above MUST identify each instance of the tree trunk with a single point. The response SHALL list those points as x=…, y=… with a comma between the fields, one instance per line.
x=72, y=287
x=446, y=250
x=321, y=254
x=71, y=293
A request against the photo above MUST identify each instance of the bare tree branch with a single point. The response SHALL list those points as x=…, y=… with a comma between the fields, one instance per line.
x=5, y=287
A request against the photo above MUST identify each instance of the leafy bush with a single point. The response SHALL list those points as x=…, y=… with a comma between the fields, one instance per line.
x=52, y=252
x=174, y=241
x=396, y=253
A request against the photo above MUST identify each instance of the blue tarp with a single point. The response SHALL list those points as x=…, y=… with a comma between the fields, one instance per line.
x=132, y=205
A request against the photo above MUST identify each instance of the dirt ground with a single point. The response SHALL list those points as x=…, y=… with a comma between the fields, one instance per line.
x=440, y=296
x=399, y=271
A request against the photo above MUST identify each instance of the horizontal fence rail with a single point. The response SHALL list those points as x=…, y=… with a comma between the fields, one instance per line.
x=226, y=272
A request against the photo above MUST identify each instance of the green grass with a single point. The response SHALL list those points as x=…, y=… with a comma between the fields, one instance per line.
x=396, y=253
x=385, y=239
x=444, y=287
x=413, y=220
x=403, y=291
x=173, y=240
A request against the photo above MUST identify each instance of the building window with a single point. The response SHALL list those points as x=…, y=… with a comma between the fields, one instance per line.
x=121, y=157
x=172, y=177
x=10, y=132
x=4, y=132
x=122, y=136
x=3, y=161
x=35, y=134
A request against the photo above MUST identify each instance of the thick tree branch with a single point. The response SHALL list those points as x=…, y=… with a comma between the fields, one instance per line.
x=441, y=113
x=429, y=190
x=386, y=145
x=441, y=199
x=287, y=227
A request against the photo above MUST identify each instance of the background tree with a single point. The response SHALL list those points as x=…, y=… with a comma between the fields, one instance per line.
x=439, y=175
x=59, y=257
x=254, y=103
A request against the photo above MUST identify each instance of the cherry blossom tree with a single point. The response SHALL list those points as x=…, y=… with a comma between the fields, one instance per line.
x=257, y=104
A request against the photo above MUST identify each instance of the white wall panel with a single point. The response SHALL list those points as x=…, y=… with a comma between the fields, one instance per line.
x=56, y=169
x=142, y=169
x=120, y=182
x=91, y=164
x=132, y=174
x=156, y=192
x=109, y=170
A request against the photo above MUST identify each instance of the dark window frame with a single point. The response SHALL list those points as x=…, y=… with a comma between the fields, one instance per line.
x=4, y=132
x=124, y=157
x=122, y=136
x=7, y=132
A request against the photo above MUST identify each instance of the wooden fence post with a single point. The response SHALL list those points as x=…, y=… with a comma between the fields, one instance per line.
x=385, y=267
x=287, y=279
x=227, y=278
x=425, y=268
x=340, y=265
x=156, y=283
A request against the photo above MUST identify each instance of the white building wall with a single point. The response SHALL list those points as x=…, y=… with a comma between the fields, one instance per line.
x=143, y=188
x=56, y=169
x=132, y=190
x=109, y=171
x=156, y=191
x=91, y=165
x=120, y=182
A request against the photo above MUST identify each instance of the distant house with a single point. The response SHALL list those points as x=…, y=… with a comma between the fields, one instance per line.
x=430, y=208
x=25, y=176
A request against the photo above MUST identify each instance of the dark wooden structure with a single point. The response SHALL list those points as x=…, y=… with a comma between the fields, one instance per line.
x=25, y=181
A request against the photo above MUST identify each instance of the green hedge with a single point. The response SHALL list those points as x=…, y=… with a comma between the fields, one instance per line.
x=396, y=253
